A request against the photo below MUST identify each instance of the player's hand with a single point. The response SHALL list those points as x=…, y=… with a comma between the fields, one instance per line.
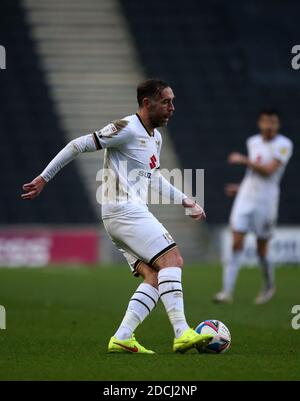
x=33, y=188
x=237, y=158
x=193, y=209
x=231, y=189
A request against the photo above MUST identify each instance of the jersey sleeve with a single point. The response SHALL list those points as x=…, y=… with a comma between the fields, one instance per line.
x=113, y=135
x=161, y=185
x=283, y=151
x=79, y=145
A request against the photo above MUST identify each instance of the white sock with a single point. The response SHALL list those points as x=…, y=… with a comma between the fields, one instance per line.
x=230, y=272
x=268, y=273
x=140, y=305
x=170, y=291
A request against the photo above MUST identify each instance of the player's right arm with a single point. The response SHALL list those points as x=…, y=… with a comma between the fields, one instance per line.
x=263, y=169
x=113, y=135
x=86, y=143
x=282, y=152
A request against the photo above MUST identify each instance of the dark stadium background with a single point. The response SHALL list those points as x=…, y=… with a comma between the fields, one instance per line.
x=71, y=67
x=225, y=61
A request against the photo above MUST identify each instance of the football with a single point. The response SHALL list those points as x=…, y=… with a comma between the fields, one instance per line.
x=222, y=337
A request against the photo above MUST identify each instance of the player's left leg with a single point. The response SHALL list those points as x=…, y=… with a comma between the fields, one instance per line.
x=170, y=290
x=268, y=272
x=241, y=222
x=140, y=306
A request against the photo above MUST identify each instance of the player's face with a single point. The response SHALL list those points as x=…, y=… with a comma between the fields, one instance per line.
x=161, y=108
x=268, y=125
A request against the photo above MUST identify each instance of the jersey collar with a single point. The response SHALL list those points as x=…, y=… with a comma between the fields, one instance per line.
x=270, y=140
x=141, y=121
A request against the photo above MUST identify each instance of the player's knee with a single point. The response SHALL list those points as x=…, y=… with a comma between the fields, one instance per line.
x=261, y=255
x=151, y=278
x=262, y=248
x=148, y=273
x=179, y=261
x=261, y=252
x=238, y=241
x=238, y=244
x=170, y=259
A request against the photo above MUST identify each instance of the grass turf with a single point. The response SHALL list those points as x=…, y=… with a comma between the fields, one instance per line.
x=59, y=321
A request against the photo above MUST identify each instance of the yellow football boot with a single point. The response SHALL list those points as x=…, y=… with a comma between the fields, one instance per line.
x=127, y=346
x=191, y=339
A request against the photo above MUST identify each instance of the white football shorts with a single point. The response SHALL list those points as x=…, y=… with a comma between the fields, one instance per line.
x=260, y=221
x=139, y=236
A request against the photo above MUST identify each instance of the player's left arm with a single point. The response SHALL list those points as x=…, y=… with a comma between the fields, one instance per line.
x=168, y=191
x=161, y=185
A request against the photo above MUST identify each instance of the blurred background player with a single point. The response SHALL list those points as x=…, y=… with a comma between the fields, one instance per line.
x=255, y=208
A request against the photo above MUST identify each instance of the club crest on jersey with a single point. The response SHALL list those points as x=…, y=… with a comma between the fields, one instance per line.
x=112, y=129
x=284, y=151
x=143, y=143
x=153, y=161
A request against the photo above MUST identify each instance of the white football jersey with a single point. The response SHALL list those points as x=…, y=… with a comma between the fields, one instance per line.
x=131, y=155
x=256, y=190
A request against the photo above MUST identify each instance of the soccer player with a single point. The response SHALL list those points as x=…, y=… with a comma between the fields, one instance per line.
x=255, y=207
x=132, y=148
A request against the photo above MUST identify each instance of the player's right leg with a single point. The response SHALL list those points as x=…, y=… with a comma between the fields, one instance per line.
x=241, y=222
x=169, y=268
x=140, y=306
x=231, y=269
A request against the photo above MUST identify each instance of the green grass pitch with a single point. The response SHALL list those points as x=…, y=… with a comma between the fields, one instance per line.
x=59, y=321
